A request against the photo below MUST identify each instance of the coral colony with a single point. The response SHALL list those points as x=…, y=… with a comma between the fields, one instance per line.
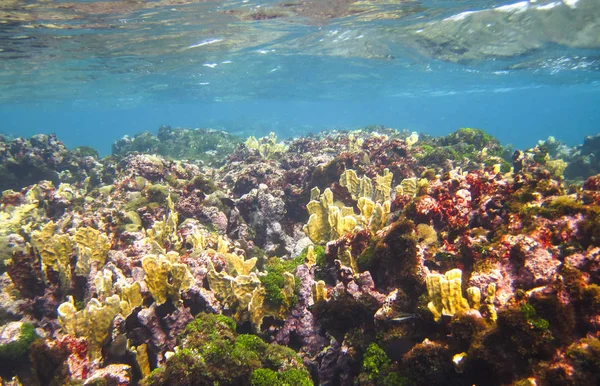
x=371, y=257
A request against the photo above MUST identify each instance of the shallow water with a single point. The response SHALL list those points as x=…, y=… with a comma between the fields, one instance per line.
x=94, y=71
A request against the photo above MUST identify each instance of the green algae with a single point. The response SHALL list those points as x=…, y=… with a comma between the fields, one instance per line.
x=375, y=362
x=16, y=350
x=531, y=316
x=268, y=377
x=274, y=280
x=464, y=144
x=205, y=145
x=158, y=193
x=213, y=353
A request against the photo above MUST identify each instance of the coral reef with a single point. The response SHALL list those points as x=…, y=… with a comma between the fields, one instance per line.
x=209, y=146
x=372, y=257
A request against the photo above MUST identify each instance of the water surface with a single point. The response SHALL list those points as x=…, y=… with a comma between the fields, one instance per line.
x=93, y=71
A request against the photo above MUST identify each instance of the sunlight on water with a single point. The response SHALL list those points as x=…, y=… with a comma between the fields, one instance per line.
x=119, y=55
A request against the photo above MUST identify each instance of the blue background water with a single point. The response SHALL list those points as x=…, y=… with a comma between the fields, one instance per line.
x=520, y=117
x=302, y=73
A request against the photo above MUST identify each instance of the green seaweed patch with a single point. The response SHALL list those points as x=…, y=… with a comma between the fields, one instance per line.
x=137, y=201
x=207, y=327
x=278, y=357
x=375, y=362
x=251, y=342
x=562, y=206
x=16, y=350
x=586, y=354
x=531, y=316
x=268, y=377
x=212, y=353
x=158, y=193
x=274, y=280
x=476, y=137
x=377, y=369
x=589, y=228
x=206, y=185
x=364, y=260
x=86, y=151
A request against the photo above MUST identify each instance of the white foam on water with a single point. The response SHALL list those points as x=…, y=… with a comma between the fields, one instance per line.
x=519, y=7
x=204, y=43
x=571, y=3
x=460, y=16
x=547, y=7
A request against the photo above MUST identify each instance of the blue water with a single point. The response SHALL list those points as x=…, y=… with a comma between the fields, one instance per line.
x=92, y=72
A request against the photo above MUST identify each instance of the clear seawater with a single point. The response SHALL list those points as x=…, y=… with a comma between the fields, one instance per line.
x=94, y=71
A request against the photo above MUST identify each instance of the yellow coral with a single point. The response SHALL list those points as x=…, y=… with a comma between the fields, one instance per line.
x=383, y=186
x=412, y=139
x=55, y=251
x=260, y=308
x=164, y=232
x=243, y=288
x=373, y=216
x=317, y=228
x=311, y=258
x=445, y=293
x=346, y=258
x=131, y=297
x=237, y=263
x=247, y=296
x=103, y=282
x=327, y=221
x=93, y=322
x=358, y=187
x=141, y=357
x=489, y=307
x=93, y=246
x=267, y=147
x=221, y=284
x=320, y=291
x=341, y=221
x=408, y=186
x=165, y=277
x=474, y=296
x=379, y=217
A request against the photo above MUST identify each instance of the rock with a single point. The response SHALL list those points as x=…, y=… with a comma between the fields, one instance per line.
x=113, y=375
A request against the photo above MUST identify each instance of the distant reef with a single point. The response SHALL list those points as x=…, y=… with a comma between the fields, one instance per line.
x=366, y=257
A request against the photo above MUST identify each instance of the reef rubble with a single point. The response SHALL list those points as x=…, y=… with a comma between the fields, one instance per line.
x=366, y=257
